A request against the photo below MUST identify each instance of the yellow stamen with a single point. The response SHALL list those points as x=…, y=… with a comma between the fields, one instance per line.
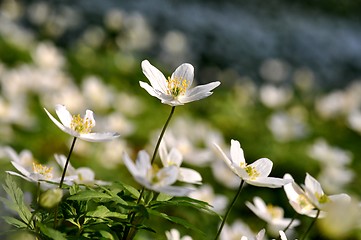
x=177, y=86
x=43, y=170
x=81, y=125
x=304, y=202
x=252, y=172
x=276, y=212
x=322, y=198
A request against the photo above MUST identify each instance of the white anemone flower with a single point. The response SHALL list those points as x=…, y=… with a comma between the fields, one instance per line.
x=254, y=174
x=176, y=90
x=175, y=158
x=79, y=127
x=154, y=178
x=311, y=198
x=259, y=236
x=82, y=175
x=273, y=215
x=32, y=171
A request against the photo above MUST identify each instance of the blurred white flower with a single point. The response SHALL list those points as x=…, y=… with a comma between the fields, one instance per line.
x=206, y=194
x=175, y=158
x=286, y=127
x=274, y=97
x=274, y=70
x=47, y=56
x=273, y=215
x=224, y=175
x=334, y=178
x=175, y=90
x=174, y=234
x=329, y=155
x=259, y=236
x=354, y=120
x=79, y=127
x=236, y=231
x=254, y=174
x=154, y=178
x=96, y=93
x=82, y=175
x=32, y=171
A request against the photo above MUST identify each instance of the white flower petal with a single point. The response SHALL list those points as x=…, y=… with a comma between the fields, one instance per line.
x=98, y=137
x=64, y=115
x=155, y=77
x=89, y=116
x=237, y=154
x=57, y=123
x=149, y=89
x=184, y=72
x=263, y=166
x=175, y=157
x=189, y=176
x=130, y=165
x=313, y=185
x=268, y=182
x=201, y=90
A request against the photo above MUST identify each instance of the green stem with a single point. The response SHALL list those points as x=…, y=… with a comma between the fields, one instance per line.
x=229, y=210
x=62, y=179
x=311, y=225
x=67, y=163
x=132, y=214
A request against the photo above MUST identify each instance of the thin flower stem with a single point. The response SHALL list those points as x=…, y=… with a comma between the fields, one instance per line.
x=311, y=225
x=132, y=214
x=229, y=210
x=288, y=226
x=62, y=179
x=67, y=162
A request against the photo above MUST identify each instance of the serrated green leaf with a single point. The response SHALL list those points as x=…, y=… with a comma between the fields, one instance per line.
x=51, y=233
x=114, y=196
x=16, y=201
x=88, y=195
x=15, y=222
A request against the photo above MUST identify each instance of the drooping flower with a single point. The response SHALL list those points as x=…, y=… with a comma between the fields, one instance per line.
x=273, y=215
x=175, y=158
x=254, y=174
x=154, y=178
x=79, y=127
x=176, y=90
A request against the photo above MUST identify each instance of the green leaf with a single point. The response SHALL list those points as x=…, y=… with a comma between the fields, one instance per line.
x=88, y=195
x=104, y=212
x=15, y=222
x=16, y=201
x=51, y=233
x=177, y=220
x=134, y=192
x=163, y=197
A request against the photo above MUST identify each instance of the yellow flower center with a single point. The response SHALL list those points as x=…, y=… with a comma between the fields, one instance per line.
x=43, y=170
x=81, y=125
x=304, y=202
x=276, y=212
x=252, y=172
x=322, y=198
x=177, y=86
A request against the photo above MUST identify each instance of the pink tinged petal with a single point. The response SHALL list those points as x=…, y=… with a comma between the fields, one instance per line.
x=155, y=77
x=263, y=166
x=189, y=176
x=97, y=137
x=89, y=116
x=237, y=154
x=184, y=72
x=64, y=115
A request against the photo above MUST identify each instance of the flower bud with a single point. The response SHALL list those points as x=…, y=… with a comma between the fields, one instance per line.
x=51, y=198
